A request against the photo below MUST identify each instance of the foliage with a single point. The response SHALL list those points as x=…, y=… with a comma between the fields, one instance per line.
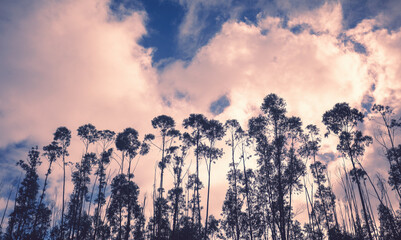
x=259, y=201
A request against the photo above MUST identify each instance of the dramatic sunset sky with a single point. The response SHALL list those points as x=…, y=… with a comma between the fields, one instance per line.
x=118, y=64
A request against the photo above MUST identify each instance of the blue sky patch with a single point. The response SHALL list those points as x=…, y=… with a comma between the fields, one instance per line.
x=356, y=46
x=180, y=95
x=367, y=103
x=299, y=28
x=327, y=157
x=9, y=156
x=219, y=105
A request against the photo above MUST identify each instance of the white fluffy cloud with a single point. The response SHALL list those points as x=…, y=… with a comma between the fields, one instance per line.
x=312, y=70
x=69, y=63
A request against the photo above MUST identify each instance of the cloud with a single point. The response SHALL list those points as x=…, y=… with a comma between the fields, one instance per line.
x=311, y=69
x=203, y=19
x=248, y=63
x=385, y=12
x=66, y=63
x=70, y=62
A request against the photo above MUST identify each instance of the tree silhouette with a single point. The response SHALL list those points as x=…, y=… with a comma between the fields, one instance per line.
x=21, y=220
x=259, y=201
x=213, y=131
x=295, y=168
x=166, y=125
x=279, y=167
x=79, y=223
x=78, y=220
x=124, y=197
x=52, y=152
x=176, y=193
x=386, y=137
x=234, y=131
x=275, y=109
x=309, y=149
x=63, y=137
x=324, y=197
x=106, y=138
x=389, y=225
x=342, y=121
x=233, y=218
x=197, y=123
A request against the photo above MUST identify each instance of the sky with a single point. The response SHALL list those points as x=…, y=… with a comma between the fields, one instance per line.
x=120, y=63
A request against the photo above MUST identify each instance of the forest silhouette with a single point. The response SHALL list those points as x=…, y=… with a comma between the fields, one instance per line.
x=258, y=202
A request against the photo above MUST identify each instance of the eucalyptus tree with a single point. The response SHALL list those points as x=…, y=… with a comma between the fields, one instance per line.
x=79, y=221
x=310, y=149
x=253, y=220
x=165, y=124
x=279, y=168
x=88, y=135
x=21, y=220
x=275, y=108
x=233, y=129
x=189, y=226
x=63, y=137
x=106, y=138
x=295, y=167
x=176, y=193
x=386, y=137
x=214, y=228
x=233, y=218
x=389, y=224
x=342, y=121
x=324, y=198
x=264, y=176
x=103, y=161
x=124, y=196
x=197, y=123
x=52, y=152
x=213, y=131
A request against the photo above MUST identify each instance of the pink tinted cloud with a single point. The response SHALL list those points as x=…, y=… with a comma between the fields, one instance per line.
x=72, y=63
x=311, y=70
x=69, y=63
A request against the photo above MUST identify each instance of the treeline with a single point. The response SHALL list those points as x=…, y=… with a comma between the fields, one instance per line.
x=258, y=202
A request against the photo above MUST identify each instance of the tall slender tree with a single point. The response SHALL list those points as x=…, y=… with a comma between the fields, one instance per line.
x=63, y=137
x=324, y=197
x=125, y=192
x=21, y=220
x=214, y=131
x=106, y=138
x=279, y=167
x=166, y=125
x=197, y=123
x=386, y=137
x=52, y=152
x=176, y=193
x=342, y=121
x=295, y=167
x=309, y=149
x=234, y=131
